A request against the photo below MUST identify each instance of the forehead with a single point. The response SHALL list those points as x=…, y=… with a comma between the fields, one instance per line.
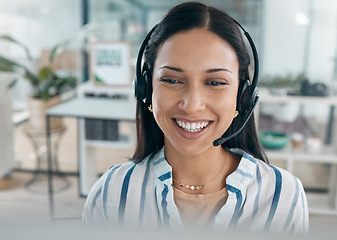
x=195, y=46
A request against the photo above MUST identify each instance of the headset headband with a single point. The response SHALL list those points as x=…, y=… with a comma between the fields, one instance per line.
x=255, y=55
x=141, y=52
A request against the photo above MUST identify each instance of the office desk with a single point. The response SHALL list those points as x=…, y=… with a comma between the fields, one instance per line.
x=81, y=108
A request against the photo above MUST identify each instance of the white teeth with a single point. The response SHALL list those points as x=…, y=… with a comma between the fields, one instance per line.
x=192, y=126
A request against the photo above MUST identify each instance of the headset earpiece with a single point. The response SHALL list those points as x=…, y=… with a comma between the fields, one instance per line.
x=139, y=88
x=241, y=95
x=250, y=98
x=247, y=96
x=142, y=85
x=148, y=87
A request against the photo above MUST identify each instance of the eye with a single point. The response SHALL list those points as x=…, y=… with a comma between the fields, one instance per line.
x=169, y=81
x=216, y=83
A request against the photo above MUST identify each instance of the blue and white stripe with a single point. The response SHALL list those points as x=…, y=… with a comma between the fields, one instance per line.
x=261, y=198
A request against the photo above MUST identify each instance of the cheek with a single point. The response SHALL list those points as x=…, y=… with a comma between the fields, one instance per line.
x=226, y=109
x=161, y=103
x=157, y=99
x=227, y=101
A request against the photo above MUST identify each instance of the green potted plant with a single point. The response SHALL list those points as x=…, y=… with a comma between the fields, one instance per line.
x=47, y=85
x=282, y=85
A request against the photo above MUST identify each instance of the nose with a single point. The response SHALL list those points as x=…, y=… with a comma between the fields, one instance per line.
x=192, y=100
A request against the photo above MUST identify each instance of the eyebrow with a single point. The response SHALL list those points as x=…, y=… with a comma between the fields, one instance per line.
x=212, y=70
x=172, y=68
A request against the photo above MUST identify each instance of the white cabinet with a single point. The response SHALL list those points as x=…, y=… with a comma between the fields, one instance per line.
x=98, y=103
x=87, y=151
x=318, y=203
x=6, y=126
x=114, y=103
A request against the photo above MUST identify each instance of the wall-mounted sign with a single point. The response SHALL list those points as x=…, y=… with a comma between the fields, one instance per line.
x=110, y=63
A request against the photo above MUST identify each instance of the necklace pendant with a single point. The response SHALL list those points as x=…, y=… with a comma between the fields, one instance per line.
x=192, y=187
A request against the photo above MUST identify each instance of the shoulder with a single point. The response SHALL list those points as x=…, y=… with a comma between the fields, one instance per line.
x=122, y=177
x=281, y=195
x=268, y=176
x=270, y=184
x=116, y=175
x=273, y=175
x=113, y=190
x=276, y=197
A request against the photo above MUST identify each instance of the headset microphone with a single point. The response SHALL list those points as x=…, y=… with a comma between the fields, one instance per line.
x=222, y=140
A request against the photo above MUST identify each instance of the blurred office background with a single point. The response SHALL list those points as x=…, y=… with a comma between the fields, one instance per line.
x=297, y=45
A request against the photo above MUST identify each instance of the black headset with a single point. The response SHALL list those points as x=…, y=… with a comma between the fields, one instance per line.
x=247, y=94
x=142, y=84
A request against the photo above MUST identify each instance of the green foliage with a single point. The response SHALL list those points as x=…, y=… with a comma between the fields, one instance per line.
x=46, y=82
x=288, y=81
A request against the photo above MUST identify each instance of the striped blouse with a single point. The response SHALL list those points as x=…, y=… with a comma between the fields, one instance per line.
x=261, y=198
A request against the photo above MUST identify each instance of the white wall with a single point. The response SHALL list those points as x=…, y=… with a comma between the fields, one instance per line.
x=323, y=46
x=40, y=23
x=284, y=41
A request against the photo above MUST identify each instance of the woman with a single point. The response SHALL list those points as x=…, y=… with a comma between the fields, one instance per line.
x=197, y=66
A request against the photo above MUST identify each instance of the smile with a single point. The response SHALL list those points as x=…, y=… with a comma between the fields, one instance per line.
x=192, y=126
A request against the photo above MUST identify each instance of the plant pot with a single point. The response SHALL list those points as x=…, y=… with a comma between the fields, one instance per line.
x=37, y=109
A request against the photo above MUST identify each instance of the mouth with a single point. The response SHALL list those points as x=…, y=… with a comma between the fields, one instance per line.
x=192, y=126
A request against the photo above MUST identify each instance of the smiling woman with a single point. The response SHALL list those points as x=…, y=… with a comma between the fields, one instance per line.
x=192, y=89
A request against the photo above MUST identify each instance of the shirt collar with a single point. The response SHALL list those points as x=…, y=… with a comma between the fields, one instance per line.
x=239, y=179
x=162, y=169
x=243, y=175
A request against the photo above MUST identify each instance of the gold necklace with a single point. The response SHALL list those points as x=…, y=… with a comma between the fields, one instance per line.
x=198, y=187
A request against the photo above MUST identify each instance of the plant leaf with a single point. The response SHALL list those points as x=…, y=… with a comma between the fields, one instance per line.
x=59, y=48
x=9, y=65
x=46, y=72
x=33, y=79
x=13, y=83
x=44, y=95
x=6, y=67
x=20, y=44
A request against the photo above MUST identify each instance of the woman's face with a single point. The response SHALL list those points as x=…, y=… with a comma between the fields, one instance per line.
x=195, y=83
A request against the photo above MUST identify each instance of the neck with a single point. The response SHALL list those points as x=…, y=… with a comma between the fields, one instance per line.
x=200, y=169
